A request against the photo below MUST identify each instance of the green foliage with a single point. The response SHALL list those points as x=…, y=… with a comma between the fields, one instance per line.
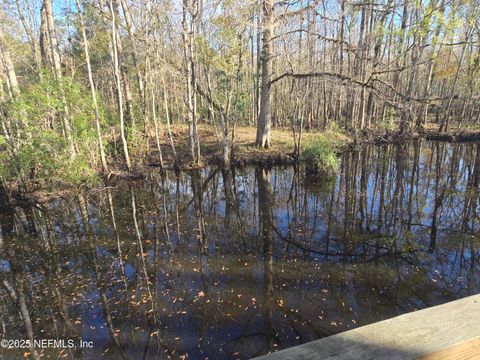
x=221, y=54
x=335, y=127
x=37, y=149
x=45, y=157
x=389, y=121
x=320, y=154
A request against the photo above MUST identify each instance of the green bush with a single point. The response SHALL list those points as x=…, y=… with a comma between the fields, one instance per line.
x=45, y=157
x=320, y=155
x=36, y=150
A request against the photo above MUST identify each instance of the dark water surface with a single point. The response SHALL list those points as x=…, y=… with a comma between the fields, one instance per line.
x=209, y=264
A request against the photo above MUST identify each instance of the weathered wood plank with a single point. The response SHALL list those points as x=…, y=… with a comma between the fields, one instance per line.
x=467, y=350
x=415, y=335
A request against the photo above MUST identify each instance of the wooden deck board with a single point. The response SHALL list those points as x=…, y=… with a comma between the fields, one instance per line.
x=439, y=332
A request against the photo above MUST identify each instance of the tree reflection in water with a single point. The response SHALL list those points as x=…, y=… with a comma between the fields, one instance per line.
x=233, y=264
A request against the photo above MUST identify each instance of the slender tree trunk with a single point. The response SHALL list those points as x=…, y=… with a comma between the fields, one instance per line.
x=169, y=128
x=136, y=61
x=92, y=87
x=445, y=120
x=57, y=70
x=8, y=65
x=125, y=81
x=2, y=75
x=118, y=81
x=52, y=37
x=155, y=122
x=423, y=116
x=188, y=44
x=44, y=41
x=406, y=112
x=31, y=38
x=258, y=65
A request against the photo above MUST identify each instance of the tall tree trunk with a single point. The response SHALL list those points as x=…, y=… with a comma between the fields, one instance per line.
x=422, y=116
x=92, y=87
x=169, y=128
x=136, y=62
x=118, y=81
x=188, y=44
x=445, y=120
x=264, y=122
x=44, y=43
x=405, y=117
x=31, y=38
x=376, y=55
x=123, y=68
x=8, y=65
x=52, y=37
x=156, y=123
x=57, y=70
x=258, y=65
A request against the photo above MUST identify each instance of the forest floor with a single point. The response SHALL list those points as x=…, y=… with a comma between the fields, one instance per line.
x=244, y=151
x=283, y=146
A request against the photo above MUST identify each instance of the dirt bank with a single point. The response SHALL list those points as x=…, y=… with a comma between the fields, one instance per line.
x=282, y=150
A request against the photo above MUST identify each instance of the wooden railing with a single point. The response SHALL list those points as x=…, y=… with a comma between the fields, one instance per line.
x=446, y=332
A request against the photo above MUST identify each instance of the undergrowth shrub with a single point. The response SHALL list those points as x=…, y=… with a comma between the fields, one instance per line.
x=320, y=156
x=34, y=149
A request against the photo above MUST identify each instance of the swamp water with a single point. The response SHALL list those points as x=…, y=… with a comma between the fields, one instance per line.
x=209, y=264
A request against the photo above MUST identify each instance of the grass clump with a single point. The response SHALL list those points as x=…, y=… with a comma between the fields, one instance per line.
x=320, y=155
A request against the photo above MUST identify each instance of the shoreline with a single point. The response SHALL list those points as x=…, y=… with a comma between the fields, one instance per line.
x=248, y=155
x=245, y=154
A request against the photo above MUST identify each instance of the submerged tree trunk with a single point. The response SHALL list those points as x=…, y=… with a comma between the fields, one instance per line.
x=265, y=213
x=16, y=292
